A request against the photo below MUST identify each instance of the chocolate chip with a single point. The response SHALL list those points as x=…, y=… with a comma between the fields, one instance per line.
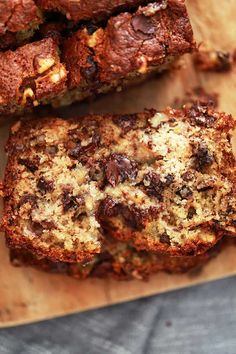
x=44, y=185
x=36, y=228
x=51, y=150
x=107, y=207
x=27, y=198
x=82, y=153
x=89, y=72
x=203, y=158
x=165, y=238
x=188, y=176
x=91, y=28
x=75, y=152
x=125, y=122
x=184, y=192
x=80, y=208
x=191, y=212
x=169, y=179
x=143, y=25
x=119, y=168
x=73, y=202
x=30, y=165
x=153, y=185
x=199, y=115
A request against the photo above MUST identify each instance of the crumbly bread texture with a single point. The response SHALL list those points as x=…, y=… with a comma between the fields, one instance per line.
x=31, y=75
x=131, y=46
x=163, y=181
x=118, y=260
x=18, y=21
x=78, y=10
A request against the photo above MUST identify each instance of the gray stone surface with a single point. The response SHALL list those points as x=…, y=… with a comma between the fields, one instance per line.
x=200, y=320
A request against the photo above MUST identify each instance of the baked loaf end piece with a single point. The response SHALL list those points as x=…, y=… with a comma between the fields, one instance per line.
x=18, y=21
x=163, y=181
x=30, y=75
x=90, y=10
x=131, y=46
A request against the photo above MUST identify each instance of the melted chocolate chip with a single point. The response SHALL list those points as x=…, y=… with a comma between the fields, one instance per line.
x=165, y=238
x=203, y=159
x=44, y=185
x=119, y=168
x=188, y=176
x=82, y=153
x=184, y=192
x=80, y=208
x=51, y=150
x=199, y=115
x=191, y=212
x=91, y=28
x=27, y=198
x=143, y=25
x=169, y=179
x=107, y=207
x=154, y=187
x=36, y=228
x=89, y=72
x=125, y=122
x=73, y=202
x=30, y=165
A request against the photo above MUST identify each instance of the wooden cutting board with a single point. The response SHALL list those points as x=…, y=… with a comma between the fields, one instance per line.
x=27, y=295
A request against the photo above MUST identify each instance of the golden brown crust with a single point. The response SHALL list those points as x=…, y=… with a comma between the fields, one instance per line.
x=163, y=181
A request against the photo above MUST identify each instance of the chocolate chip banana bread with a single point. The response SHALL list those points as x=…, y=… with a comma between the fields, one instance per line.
x=94, y=60
x=118, y=260
x=18, y=21
x=163, y=181
x=131, y=46
x=31, y=75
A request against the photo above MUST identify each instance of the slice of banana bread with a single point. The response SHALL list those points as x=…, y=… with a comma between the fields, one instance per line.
x=131, y=46
x=18, y=21
x=118, y=260
x=165, y=181
x=30, y=75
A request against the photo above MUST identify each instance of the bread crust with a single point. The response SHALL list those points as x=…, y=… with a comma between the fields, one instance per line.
x=90, y=10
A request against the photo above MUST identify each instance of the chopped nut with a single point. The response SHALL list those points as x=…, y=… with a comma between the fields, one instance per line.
x=143, y=67
x=43, y=64
x=59, y=75
x=28, y=93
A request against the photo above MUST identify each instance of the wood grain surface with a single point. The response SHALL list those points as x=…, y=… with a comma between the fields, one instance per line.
x=27, y=295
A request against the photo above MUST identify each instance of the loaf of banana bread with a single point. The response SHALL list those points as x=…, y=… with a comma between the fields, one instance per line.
x=31, y=75
x=18, y=21
x=97, y=60
x=163, y=181
x=131, y=46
